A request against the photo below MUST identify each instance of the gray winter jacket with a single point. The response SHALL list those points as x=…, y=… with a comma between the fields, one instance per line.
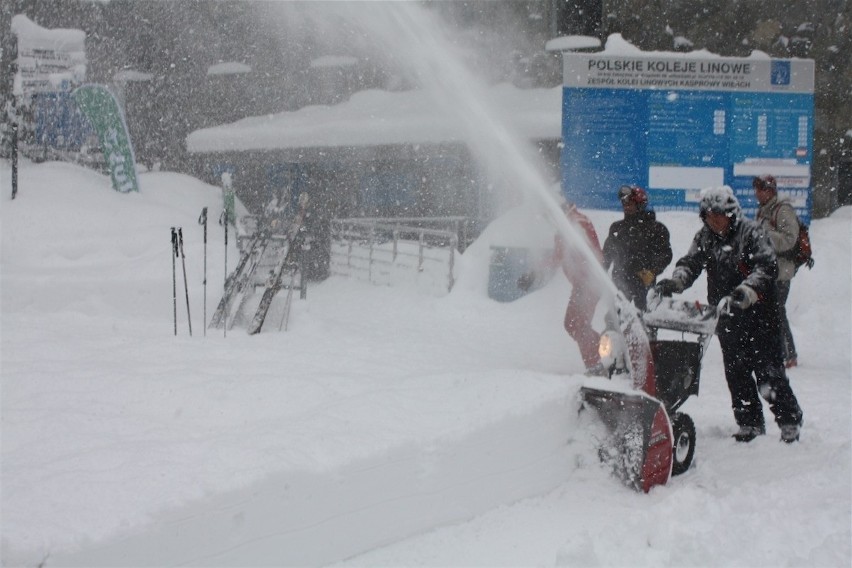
x=778, y=218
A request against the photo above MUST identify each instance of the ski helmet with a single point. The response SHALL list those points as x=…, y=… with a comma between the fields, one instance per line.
x=719, y=199
x=633, y=194
x=765, y=181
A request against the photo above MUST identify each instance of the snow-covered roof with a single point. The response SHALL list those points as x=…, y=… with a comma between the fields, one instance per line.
x=333, y=61
x=128, y=75
x=228, y=68
x=31, y=35
x=48, y=59
x=377, y=118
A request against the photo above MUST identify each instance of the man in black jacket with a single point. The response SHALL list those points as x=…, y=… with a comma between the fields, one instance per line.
x=637, y=247
x=741, y=264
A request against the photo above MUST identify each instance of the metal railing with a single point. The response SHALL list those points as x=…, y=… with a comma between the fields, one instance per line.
x=392, y=251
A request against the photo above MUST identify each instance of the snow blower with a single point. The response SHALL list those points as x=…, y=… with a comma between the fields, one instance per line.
x=647, y=440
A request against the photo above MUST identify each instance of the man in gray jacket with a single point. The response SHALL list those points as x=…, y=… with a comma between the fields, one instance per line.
x=778, y=218
x=740, y=264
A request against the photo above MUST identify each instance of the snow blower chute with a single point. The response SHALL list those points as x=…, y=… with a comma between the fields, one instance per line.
x=647, y=440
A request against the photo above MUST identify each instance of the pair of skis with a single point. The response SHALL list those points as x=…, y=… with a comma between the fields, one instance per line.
x=286, y=265
x=238, y=281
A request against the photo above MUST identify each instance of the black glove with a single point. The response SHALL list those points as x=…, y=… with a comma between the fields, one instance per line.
x=525, y=282
x=743, y=297
x=667, y=287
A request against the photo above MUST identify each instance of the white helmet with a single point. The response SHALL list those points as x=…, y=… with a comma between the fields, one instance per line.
x=720, y=199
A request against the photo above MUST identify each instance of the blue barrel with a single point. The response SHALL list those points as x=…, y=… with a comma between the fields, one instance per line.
x=508, y=264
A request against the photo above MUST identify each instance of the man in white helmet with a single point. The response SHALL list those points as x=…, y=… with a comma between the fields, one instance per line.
x=741, y=264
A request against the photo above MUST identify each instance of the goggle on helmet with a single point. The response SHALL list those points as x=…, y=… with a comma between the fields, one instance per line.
x=633, y=194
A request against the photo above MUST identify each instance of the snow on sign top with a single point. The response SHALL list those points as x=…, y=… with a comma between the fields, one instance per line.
x=47, y=58
x=572, y=42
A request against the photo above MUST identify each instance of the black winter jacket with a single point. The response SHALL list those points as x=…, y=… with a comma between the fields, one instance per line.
x=744, y=256
x=637, y=242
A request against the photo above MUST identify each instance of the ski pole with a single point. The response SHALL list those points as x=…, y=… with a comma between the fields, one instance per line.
x=223, y=220
x=174, y=277
x=185, y=283
x=14, y=141
x=203, y=221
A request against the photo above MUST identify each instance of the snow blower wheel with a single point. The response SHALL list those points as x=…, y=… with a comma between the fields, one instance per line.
x=684, y=443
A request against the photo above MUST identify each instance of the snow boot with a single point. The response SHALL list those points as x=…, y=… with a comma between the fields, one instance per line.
x=749, y=433
x=790, y=433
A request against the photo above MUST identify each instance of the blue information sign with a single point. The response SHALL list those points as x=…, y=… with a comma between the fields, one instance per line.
x=676, y=123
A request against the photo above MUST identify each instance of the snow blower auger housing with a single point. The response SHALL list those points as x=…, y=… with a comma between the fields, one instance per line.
x=647, y=439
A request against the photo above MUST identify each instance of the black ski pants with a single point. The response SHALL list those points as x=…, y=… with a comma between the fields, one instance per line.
x=754, y=366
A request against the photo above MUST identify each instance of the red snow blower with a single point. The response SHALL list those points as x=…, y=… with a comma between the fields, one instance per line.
x=647, y=440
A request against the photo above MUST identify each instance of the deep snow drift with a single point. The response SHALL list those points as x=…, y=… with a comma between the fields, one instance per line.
x=380, y=415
